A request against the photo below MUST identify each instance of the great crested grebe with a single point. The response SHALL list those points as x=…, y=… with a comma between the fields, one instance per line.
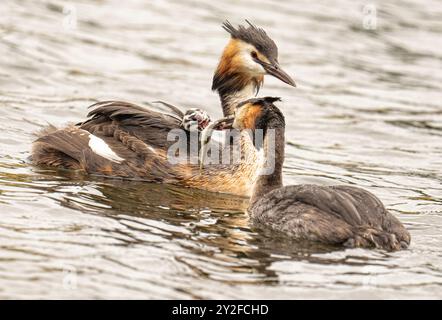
x=121, y=139
x=339, y=215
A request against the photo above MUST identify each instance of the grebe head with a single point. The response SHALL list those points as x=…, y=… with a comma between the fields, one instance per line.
x=249, y=55
x=252, y=114
x=195, y=119
x=258, y=113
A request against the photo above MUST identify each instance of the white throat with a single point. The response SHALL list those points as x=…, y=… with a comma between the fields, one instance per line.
x=244, y=94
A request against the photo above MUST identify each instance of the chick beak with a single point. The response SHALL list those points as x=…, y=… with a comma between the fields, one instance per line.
x=275, y=70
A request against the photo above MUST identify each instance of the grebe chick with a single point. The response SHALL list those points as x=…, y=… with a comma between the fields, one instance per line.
x=195, y=119
x=121, y=139
x=337, y=215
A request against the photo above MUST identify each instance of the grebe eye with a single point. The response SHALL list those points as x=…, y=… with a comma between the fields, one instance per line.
x=254, y=55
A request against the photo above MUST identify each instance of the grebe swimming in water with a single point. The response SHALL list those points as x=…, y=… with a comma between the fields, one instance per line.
x=338, y=215
x=124, y=140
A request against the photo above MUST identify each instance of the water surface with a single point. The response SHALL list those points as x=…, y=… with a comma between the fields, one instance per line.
x=367, y=112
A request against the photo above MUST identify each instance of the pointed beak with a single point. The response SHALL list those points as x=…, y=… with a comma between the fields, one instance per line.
x=275, y=70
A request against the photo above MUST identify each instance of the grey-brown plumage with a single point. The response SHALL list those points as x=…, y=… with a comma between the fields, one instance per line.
x=70, y=148
x=145, y=124
x=338, y=215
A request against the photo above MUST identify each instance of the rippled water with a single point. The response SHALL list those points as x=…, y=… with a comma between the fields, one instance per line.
x=367, y=111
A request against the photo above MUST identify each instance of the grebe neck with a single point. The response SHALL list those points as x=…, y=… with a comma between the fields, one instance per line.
x=237, y=88
x=272, y=159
